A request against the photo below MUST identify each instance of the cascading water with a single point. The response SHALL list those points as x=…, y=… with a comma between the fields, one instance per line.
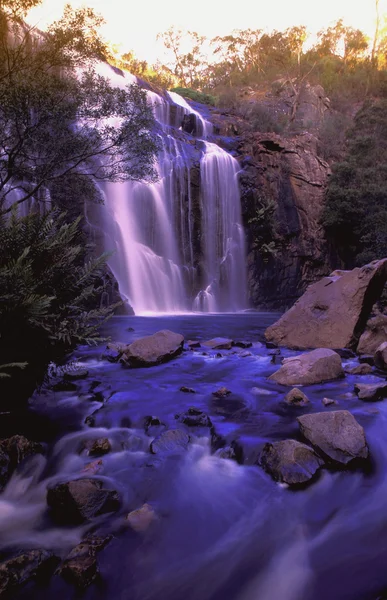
x=174, y=254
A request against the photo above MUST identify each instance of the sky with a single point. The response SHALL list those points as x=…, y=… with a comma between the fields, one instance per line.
x=135, y=25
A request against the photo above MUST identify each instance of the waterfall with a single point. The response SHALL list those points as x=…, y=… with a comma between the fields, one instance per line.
x=176, y=250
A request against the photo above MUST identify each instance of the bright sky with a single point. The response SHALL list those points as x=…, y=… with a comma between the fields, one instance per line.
x=134, y=25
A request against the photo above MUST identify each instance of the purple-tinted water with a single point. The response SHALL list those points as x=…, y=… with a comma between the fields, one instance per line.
x=223, y=531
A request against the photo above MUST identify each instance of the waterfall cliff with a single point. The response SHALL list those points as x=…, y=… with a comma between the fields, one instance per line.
x=178, y=243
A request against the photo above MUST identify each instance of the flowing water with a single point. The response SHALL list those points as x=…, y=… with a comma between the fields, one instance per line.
x=223, y=531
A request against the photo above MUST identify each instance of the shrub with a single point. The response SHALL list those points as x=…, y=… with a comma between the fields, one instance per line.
x=195, y=95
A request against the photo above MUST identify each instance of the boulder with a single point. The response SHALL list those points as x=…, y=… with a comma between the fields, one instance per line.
x=194, y=417
x=309, y=368
x=290, y=461
x=234, y=451
x=221, y=392
x=380, y=357
x=333, y=312
x=328, y=401
x=219, y=343
x=187, y=390
x=296, y=398
x=374, y=334
x=336, y=434
x=173, y=441
x=80, y=567
x=242, y=344
x=153, y=349
x=29, y=565
x=141, y=519
x=362, y=369
x=81, y=500
x=193, y=344
x=371, y=392
x=99, y=446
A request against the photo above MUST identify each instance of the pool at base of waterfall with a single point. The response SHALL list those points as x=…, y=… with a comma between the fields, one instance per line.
x=209, y=526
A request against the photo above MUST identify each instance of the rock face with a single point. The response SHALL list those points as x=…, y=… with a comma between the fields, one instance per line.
x=374, y=334
x=153, y=349
x=333, y=312
x=309, y=368
x=80, y=500
x=380, y=357
x=337, y=435
x=290, y=461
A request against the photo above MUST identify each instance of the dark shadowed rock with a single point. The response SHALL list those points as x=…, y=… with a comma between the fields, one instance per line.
x=371, y=392
x=99, y=446
x=219, y=343
x=337, y=435
x=187, y=390
x=153, y=349
x=374, y=334
x=290, y=461
x=81, y=500
x=194, y=417
x=362, y=369
x=366, y=359
x=296, y=398
x=193, y=344
x=13, y=451
x=380, y=356
x=221, y=392
x=173, y=441
x=309, y=368
x=29, y=565
x=243, y=344
x=80, y=567
x=333, y=312
x=232, y=452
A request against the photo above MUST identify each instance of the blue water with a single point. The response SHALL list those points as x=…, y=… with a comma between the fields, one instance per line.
x=223, y=531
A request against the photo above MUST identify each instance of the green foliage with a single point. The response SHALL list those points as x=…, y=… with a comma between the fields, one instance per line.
x=195, y=95
x=332, y=135
x=263, y=118
x=355, y=214
x=46, y=286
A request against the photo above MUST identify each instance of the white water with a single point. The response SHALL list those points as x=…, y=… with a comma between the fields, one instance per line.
x=162, y=261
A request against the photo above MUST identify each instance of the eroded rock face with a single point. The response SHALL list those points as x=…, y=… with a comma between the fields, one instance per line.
x=374, y=334
x=153, y=349
x=333, y=312
x=290, y=461
x=81, y=500
x=309, y=368
x=337, y=435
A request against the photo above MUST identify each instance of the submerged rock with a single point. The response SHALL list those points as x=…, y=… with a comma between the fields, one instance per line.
x=328, y=401
x=29, y=565
x=187, y=390
x=309, y=368
x=362, y=369
x=141, y=519
x=81, y=500
x=296, y=398
x=380, y=356
x=371, y=391
x=290, y=461
x=80, y=567
x=153, y=349
x=337, y=435
x=173, y=441
x=219, y=343
x=221, y=392
x=333, y=312
x=234, y=451
x=242, y=344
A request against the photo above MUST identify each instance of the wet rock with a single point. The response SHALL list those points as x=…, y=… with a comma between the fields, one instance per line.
x=218, y=355
x=275, y=352
x=271, y=345
x=219, y=343
x=371, y=392
x=290, y=462
x=337, y=435
x=65, y=386
x=374, y=334
x=345, y=353
x=75, y=374
x=245, y=354
x=29, y=565
x=362, y=369
x=188, y=123
x=328, y=401
x=333, y=312
x=99, y=446
x=221, y=392
x=242, y=344
x=129, y=329
x=80, y=567
x=153, y=349
x=296, y=398
x=187, y=390
x=380, y=356
x=173, y=441
x=232, y=452
x=13, y=451
x=194, y=417
x=309, y=368
x=81, y=500
x=93, y=467
x=366, y=359
x=193, y=344
x=141, y=519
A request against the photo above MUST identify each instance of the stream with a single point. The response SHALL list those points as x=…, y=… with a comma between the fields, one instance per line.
x=223, y=531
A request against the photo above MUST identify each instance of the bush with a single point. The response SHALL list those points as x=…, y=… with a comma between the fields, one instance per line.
x=195, y=95
x=264, y=119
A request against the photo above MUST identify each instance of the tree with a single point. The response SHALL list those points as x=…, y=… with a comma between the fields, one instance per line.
x=54, y=122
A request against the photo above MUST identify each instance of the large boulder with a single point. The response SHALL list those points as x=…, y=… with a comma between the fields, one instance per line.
x=374, y=334
x=153, y=349
x=290, y=461
x=333, y=312
x=309, y=368
x=81, y=500
x=337, y=435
